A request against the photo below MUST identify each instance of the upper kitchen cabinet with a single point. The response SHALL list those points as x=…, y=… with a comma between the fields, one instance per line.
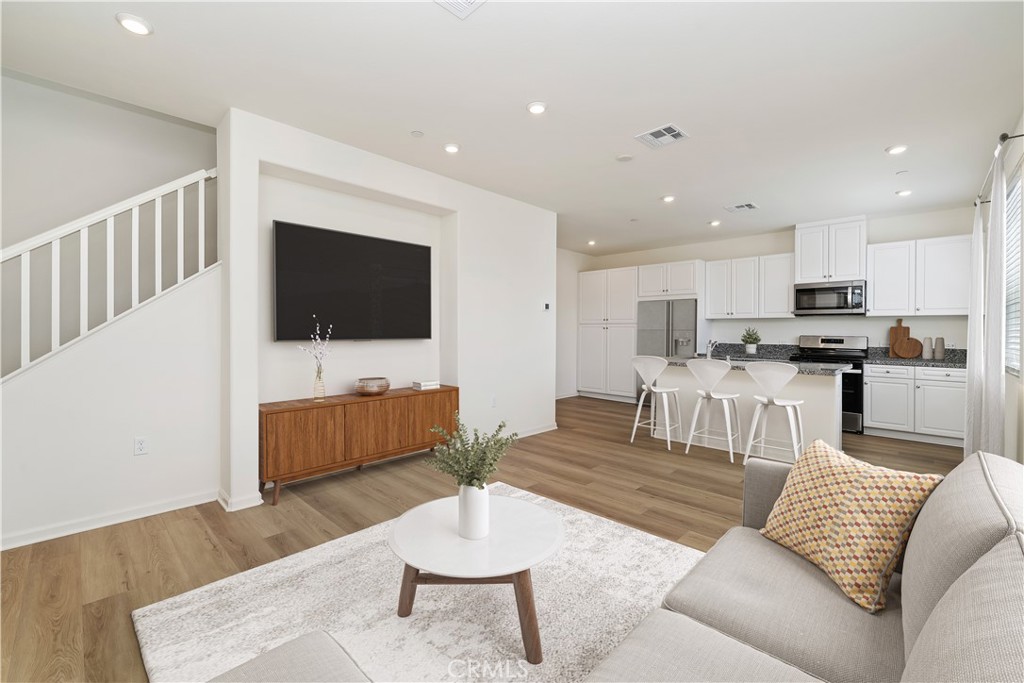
x=943, y=276
x=669, y=279
x=830, y=250
x=775, y=286
x=919, y=277
x=730, y=289
x=608, y=296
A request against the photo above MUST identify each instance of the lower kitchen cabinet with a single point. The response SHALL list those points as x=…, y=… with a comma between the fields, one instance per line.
x=928, y=401
x=606, y=359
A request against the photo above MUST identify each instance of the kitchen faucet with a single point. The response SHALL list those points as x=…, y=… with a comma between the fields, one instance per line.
x=711, y=347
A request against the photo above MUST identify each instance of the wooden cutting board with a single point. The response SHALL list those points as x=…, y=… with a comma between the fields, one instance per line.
x=895, y=335
x=908, y=347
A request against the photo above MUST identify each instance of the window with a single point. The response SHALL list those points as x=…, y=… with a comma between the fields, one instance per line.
x=1013, y=276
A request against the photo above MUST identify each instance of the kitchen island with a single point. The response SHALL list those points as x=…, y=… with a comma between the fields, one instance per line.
x=818, y=384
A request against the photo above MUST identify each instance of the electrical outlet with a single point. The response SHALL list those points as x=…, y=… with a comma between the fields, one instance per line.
x=141, y=446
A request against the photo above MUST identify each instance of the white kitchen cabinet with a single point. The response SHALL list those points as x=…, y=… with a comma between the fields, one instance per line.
x=730, y=289
x=775, y=286
x=890, y=278
x=940, y=401
x=943, y=276
x=921, y=400
x=605, y=359
x=830, y=250
x=889, y=398
x=919, y=277
x=668, y=279
x=608, y=296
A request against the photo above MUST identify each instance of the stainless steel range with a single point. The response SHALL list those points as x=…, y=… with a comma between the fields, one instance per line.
x=852, y=350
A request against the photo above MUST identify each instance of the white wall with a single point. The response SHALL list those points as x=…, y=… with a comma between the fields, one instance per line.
x=570, y=263
x=69, y=424
x=502, y=252
x=68, y=153
x=285, y=372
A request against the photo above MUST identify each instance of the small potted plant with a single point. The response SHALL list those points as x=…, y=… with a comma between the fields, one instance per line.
x=471, y=460
x=751, y=338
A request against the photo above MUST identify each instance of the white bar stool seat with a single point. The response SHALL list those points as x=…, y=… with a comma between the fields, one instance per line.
x=709, y=374
x=650, y=368
x=773, y=378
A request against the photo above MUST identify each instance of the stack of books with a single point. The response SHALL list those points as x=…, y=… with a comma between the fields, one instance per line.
x=429, y=384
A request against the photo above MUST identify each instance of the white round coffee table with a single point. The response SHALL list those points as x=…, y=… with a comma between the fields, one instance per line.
x=521, y=536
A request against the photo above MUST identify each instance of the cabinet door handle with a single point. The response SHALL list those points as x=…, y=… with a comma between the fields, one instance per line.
x=918, y=386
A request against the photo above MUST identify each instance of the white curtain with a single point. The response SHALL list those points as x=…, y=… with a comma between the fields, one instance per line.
x=986, y=333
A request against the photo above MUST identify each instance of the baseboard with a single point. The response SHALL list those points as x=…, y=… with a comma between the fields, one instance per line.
x=609, y=397
x=240, y=503
x=46, y=533
x=538, y=430
x=572, y=395
x=914, y=436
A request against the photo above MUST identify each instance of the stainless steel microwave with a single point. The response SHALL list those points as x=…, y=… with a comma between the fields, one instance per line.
x=830, y=298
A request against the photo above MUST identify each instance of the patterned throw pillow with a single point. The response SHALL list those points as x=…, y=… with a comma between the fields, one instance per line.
x=849, y=518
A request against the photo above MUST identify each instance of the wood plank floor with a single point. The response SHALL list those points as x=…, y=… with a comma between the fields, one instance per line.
x=66, y=603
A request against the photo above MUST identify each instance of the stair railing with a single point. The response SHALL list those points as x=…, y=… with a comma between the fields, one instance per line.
x=96, y=220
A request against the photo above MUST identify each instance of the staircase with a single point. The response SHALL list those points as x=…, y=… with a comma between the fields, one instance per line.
x=85, y=275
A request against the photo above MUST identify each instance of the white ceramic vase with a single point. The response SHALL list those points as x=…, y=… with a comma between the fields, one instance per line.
x=751, y=349
x=474, y=512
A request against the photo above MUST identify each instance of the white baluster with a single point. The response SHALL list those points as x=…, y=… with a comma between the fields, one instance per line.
x=83, y=280
x=135, y=256
x=201, y=229
x=158, y=231
x=181, y=234
x=110, y=268
x=54, y=294
x=26, y=318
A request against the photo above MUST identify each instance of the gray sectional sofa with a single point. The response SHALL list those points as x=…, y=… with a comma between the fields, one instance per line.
x=752, y=610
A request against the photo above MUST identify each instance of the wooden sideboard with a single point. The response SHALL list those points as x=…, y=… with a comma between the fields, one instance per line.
x=306, y=438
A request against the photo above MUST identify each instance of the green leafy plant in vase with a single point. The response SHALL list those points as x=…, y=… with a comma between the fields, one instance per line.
x=751, y=338
x=471, y=460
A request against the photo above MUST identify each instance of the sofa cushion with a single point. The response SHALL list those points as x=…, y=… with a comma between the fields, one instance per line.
x=979, y=503
x=314, y=657
x=758, y=592
x=976, y=631
x=667, y=646
x=848, y=517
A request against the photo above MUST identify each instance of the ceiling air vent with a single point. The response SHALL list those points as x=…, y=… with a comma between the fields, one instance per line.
x=460, y=8
x=740, y=208
x=659, y=137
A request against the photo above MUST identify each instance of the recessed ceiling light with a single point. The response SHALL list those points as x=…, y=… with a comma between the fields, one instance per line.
x=668, y=199
x=134, y=24
x=536, y=107
x=416, y=133
x=624, y=157
x=715, y=224
x=451, y=148
x=896, y=149
x=591, y=242
x=903, y=193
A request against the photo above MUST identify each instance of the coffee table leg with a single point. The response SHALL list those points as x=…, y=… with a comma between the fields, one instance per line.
x=408, y=593
x=527, y=616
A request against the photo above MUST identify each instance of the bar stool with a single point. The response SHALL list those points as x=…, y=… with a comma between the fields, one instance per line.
x=709, y=373
x=650, y=368
x=773, y=378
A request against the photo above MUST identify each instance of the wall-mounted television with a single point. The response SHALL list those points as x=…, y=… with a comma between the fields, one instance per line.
x=366, y=287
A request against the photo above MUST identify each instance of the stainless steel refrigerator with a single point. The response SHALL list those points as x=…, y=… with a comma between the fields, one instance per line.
x=667, y=329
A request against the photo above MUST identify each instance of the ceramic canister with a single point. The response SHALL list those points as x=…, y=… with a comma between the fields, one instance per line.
x=926, y=348
x=940, y=348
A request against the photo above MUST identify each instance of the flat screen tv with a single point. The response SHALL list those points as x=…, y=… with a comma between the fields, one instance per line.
x=366, y=287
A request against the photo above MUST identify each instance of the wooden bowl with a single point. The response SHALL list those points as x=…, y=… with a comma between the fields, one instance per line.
x=372, y=386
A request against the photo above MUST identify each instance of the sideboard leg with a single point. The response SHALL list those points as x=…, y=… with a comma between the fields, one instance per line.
x=263, y=485
x=277, y=492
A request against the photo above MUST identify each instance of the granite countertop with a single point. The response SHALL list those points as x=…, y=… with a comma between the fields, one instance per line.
x=740, y=363
x=877, y=355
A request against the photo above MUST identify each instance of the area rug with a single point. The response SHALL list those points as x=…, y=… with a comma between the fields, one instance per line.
x=605, y=578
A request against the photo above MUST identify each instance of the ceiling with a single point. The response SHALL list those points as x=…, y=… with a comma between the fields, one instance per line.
x=788, y=106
